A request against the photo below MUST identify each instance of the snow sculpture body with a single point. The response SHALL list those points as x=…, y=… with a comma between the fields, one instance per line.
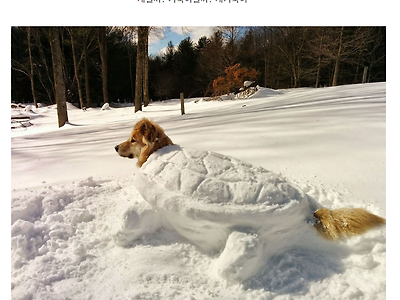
x=242, y=213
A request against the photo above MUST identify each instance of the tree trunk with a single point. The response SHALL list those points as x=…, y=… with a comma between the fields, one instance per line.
x=59, y=84
x=103, y=56
x=337, y=60
x=146, y=99
x=182, y=103
x=364, y=78
x=294, y=80
x=28, y=31
x=369, y=74
x=277, y=80
x=131, y=76
x=76, y=69
x=139, y=69
x=266, y=67
x=87, y=90
x=318, y=71
x=49, y=90
x=319, y=63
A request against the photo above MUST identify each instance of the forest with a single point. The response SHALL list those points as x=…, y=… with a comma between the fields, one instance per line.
x=89, y=66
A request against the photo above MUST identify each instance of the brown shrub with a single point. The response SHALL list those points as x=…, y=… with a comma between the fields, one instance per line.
x=233, y=79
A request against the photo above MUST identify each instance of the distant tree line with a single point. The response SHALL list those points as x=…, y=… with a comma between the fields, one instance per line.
x=111, y=64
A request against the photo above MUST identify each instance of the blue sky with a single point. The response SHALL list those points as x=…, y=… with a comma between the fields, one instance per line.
x=176, y=34
x=176, y=38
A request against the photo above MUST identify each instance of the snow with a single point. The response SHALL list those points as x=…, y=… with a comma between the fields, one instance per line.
x=247, y=83
x=209, y=199
x=106, y=106
x=81, y=227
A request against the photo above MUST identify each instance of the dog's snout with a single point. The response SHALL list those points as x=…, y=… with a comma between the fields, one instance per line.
x=116, y=148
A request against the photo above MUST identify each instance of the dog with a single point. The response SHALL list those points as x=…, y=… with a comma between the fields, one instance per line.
x=147, y=137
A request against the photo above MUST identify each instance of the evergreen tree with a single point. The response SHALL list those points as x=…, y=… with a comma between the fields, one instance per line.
x=93, y=57
x=211, y=62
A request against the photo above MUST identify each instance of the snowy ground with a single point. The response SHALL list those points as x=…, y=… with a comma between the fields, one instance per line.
x=72, y=195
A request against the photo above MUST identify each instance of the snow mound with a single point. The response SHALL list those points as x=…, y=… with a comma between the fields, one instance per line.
x=105, y=106
x=70, y=106
x=266, y=92
x=248, y=93
x=57, y=253
x=227, y=206
x=40, y=224
x=50, y=235
x=29, y=109
x=247, y=83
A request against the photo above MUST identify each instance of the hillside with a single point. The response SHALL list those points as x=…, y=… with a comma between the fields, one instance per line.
x=72, y=195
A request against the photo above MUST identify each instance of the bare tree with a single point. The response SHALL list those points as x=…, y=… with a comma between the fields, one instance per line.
x=373, y=53
x=103, y=56
x=143, y=32
x=49, y=88
x=291, y=42
x=139, y=70
x=59, y=84
x=76, y=68
x=85, y=59
x=31, y=73
x=319, y=63
x=146, y=99
x=142, y=63
x=231, y=36
x=345, y=45
x=314, y=58
x=337, y=58
x=89, y=44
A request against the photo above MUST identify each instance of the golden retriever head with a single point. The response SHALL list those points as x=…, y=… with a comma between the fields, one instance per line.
x=146, y=137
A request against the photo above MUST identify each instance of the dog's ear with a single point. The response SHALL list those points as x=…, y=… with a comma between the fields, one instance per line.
x=148, y=131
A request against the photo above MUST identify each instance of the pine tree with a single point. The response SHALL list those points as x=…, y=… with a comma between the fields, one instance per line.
x=185, y=64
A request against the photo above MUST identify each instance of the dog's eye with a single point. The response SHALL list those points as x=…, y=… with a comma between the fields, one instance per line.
x=132, y=140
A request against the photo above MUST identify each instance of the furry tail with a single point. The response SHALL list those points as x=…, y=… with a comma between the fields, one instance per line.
x=345, y=222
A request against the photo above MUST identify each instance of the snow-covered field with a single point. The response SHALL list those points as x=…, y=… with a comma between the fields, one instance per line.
x=75, y=209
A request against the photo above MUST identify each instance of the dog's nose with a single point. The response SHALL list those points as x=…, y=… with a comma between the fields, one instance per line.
x=116, y=148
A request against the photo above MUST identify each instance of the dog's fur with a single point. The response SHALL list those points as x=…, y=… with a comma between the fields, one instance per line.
x=345, y=222
x=148, y=137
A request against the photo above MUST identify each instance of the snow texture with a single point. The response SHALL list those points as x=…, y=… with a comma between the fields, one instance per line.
x=194, y=224
x=208, y=198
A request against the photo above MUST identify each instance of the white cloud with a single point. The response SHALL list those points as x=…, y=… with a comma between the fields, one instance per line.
x=157, y=33
x=200, y=31
x=195, y=32
x=159, y=36
x=181, y=30
x=163, y=51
